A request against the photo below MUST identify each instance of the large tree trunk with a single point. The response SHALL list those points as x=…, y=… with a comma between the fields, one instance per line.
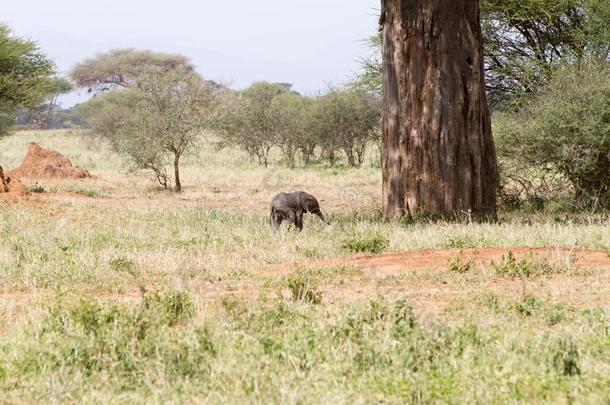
x=438, y=153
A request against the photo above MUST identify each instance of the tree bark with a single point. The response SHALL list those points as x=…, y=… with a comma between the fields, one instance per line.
x=177, y=173
x=438, y=154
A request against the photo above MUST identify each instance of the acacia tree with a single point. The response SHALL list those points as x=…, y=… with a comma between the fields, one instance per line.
x=438, y=154
x=26, y=76
x=526, y=40
x=156, y=121
x=120, y=68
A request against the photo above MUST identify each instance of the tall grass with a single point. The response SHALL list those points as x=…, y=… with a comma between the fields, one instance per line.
x=279, y=351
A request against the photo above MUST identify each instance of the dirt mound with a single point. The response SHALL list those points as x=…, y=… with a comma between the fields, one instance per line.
x=46, y=163
x=11, y=187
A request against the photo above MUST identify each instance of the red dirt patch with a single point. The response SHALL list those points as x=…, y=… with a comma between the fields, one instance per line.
x=47, y=163
x=396, y=263
x=422, y=277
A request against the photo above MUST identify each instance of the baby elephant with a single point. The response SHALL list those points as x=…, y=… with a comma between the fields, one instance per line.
x=291, y=207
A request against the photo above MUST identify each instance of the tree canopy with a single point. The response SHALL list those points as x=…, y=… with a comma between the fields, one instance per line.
x=524, y=41
x=26, y=76
x=121, y=67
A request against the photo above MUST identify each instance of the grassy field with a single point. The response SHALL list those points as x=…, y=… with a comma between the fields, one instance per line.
x=116, y=291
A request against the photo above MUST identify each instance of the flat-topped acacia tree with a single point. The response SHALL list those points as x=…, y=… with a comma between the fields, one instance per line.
x=438, y=153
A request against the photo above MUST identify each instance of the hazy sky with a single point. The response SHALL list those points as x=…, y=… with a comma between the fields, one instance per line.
x=305, y=42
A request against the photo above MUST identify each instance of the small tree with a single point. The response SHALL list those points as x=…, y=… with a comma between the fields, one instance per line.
x=112, y=117
x=158, y=120
x=289, y=112
x=345, y=120
x=249, y=122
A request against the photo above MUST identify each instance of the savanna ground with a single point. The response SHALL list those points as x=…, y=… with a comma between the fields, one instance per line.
x=115, y=291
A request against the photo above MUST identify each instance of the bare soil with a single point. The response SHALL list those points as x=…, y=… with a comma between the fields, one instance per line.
x=421, y=278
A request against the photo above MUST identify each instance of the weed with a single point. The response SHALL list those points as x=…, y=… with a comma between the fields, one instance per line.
x=555, y=314
x=489, y=299
x=303, y=287
x=122, y=265
x=460, y=265
x=330, y=273
x=528, y=306
x=128, y=345
x=509, y=266
x=465, y=241
x=367, y=244
x=78, y=189
x=36, y=188
x=564, y=356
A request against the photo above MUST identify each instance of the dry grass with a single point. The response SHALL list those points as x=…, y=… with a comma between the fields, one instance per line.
x=106, y=237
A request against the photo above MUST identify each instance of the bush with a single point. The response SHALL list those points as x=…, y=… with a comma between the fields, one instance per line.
x=347, y=121
x=130, y=346
x=561, y=136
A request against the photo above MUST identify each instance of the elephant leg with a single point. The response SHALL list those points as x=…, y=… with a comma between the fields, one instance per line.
x=276, y=221
x=275, y=226
x=292, y=218
x=299, y=220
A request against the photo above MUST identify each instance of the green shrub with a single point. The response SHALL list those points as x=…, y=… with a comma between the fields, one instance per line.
x=129, y=345
x=367, y=244
x=565, y=356
x=466, y=241
x=77, y=189
x=528, y=306
x=122, y=265
x=509, y=266
x=36, y=188
x=303, y=287
x=561, y=136
x=460, y=265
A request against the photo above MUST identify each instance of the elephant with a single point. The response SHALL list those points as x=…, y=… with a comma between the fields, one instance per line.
x=291, y=207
